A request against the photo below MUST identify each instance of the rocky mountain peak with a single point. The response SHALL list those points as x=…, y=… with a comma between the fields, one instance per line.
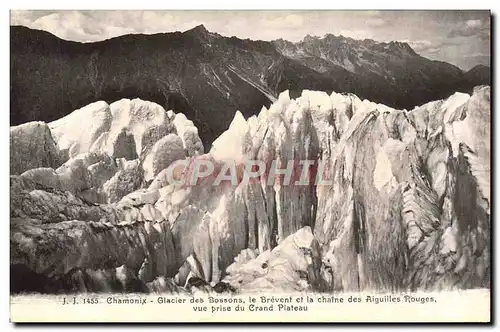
x=199, y=28
x=402, y=48
x=199, y=31
x=309, y=38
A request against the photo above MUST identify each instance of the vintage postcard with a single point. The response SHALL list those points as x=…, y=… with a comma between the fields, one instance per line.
x=250, y=166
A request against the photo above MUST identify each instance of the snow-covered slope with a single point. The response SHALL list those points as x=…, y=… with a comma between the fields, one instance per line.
x=408, y=206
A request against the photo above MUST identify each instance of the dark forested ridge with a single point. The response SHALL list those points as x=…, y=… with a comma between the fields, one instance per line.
x=208, y=77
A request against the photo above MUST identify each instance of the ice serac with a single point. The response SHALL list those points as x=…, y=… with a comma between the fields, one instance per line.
x=91, y=209
x=289, y=267
x=188, y=132
x=32, y=146
x=125, y=129
x=83, y=175
x=403, y=203
x=407, y=210
x=257, y=214
x=77, y=131
x=109, y=150
x=128, y=178
x=163, y=153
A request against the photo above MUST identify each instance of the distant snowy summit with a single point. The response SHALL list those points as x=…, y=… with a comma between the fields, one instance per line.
x=357, y=56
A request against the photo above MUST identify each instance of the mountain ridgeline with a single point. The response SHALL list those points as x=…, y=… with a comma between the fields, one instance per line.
x=208, y=77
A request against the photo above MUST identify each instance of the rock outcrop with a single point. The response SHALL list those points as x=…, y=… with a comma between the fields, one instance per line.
x=394, y=200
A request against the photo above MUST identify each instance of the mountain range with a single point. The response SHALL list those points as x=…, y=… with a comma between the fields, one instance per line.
x=208, y=77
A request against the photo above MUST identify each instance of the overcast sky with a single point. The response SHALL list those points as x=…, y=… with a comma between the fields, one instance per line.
x=459, y=37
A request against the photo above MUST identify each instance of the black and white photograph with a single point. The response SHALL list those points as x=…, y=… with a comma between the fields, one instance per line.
x=250, y=165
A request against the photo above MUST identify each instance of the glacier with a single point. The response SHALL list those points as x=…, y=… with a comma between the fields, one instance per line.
x=408, y=208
